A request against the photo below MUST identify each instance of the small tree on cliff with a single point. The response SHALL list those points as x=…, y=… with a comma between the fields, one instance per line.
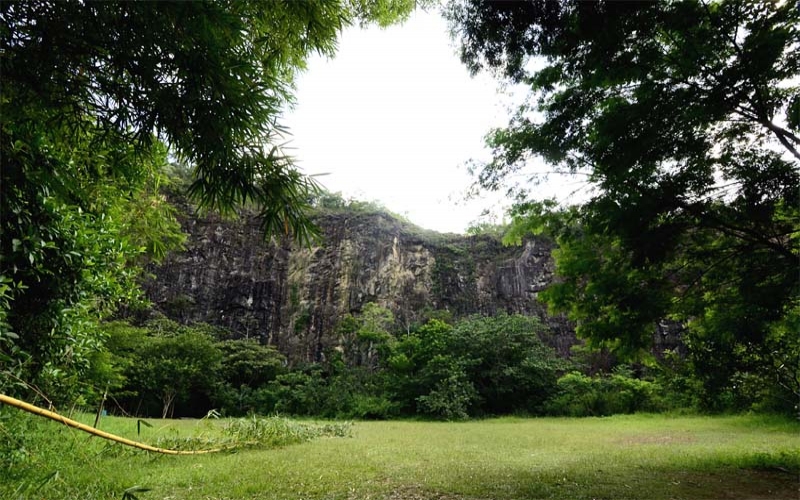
x=366, y=335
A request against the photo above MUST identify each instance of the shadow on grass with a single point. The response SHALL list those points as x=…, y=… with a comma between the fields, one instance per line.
x=707, y=480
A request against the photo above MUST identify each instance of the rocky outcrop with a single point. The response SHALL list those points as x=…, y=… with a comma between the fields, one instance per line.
x=293, y=297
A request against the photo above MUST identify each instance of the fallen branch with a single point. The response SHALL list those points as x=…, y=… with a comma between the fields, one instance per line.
x=16, y=403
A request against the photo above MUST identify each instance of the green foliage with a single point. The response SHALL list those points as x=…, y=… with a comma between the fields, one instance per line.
x=782, y=350
x=83, y=214
x=478, y=366
x=375, y=319
x=451, y=398
x=682, y=388
x=326, y=201
x=583, y=396
x=165, y=368
x=750, y=377
x=372, y=407
x=332, y=390
x=510, y=366
x=304, y=392
x=93, y=98
x=492, y=229
x=246, y=362
x=475, y=367
x=676, y=116
x=366, y=336
x=173, y=368
x=275, y=432
x=72, y=244
x=230, y=72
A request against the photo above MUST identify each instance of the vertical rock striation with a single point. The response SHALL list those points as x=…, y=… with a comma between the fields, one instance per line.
x=294, y=297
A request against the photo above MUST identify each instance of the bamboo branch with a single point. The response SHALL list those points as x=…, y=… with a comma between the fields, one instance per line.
x=16, y=403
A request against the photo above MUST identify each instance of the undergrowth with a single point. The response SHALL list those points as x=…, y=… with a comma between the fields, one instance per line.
x=279, y=431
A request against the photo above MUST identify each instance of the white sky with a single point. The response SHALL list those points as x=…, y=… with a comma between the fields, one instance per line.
x=394, y=117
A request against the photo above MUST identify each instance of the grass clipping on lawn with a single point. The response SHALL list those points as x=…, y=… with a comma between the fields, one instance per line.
x=257, y=432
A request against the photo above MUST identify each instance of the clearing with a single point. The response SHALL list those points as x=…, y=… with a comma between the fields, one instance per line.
x=632, y=456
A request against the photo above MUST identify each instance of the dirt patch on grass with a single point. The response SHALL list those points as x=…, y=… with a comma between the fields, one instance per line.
x=412, y=492
x=417, y=493
x=738, y=484
x=664, y=439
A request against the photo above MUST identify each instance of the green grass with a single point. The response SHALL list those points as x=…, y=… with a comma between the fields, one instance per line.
x=639, y=456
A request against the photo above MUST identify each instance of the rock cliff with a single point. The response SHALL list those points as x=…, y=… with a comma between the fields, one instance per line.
x=293, y=297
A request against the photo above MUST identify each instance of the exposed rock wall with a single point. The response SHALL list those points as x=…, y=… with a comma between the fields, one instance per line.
x=294, y=297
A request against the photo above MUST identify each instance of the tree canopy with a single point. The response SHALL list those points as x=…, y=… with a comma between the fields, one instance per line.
x=96, y=99
x=208, y=78
x=683, y=117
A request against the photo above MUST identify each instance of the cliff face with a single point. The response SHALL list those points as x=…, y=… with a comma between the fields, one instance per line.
x=294, y=297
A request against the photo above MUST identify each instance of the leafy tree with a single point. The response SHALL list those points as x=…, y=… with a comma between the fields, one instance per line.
x=493, y=229
x=94, y=94
x=418, y=364
x=683, y=119
x=247, y=367
x=72, y=245
x=210, y=77
x=509, y=365
x=480, y=365
x=366, y=336
x=248, y=363
x=452, y=396
x=164, y=367
x=331, y=389
x=375, y=320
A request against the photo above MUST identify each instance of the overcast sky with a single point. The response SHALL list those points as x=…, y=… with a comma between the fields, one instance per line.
x=394, y=117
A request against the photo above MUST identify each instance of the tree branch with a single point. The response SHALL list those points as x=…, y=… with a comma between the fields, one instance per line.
x=741, y=233
x=782, y=135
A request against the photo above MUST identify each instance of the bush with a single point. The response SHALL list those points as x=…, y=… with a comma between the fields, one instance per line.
x=451, y=399
x=581, y=396
x=367, y=407
x=301, y=392
x=245, y=400
x=479, y=366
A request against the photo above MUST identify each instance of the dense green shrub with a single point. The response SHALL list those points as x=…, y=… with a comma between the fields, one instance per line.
x=246, y=369
x=479, y=366
x=301, y=392
x=167, y=369
x=370, y=407
x=475, y=367
x=180, y=370
x=580, y=395
x=451, y=398
x=331, y=390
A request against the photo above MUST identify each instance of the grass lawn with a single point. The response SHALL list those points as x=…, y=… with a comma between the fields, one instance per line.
x=635, y=456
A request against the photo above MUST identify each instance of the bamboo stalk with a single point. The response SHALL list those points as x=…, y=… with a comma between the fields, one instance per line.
x=16, y=403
